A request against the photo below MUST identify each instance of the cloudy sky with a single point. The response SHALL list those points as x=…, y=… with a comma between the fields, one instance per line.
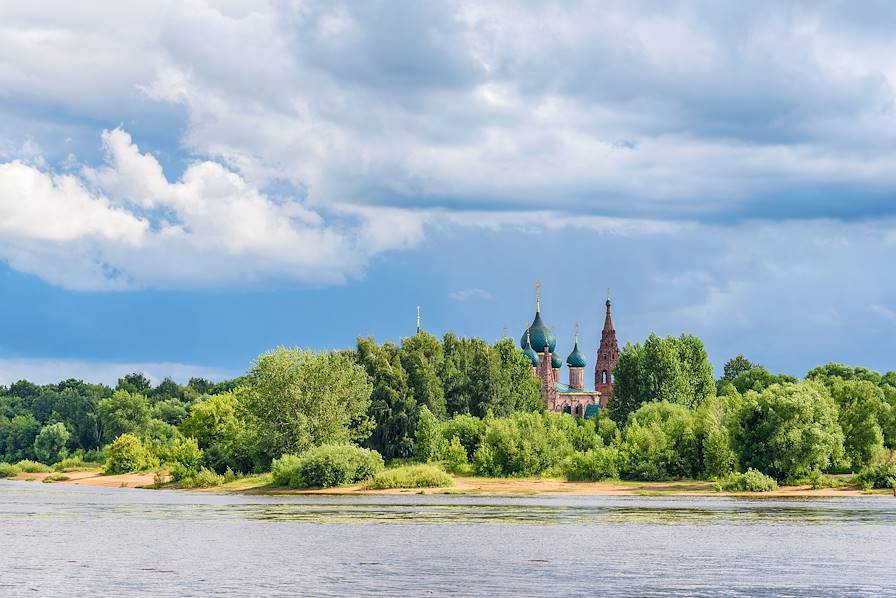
x=184, y=185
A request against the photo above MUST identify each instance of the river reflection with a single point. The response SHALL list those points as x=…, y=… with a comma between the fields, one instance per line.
x=70, y=540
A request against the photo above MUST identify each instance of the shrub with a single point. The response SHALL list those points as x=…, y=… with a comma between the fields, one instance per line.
x=881, y=474
x=55, y=477
x=456, y=456
x=72, y=464
x=8, y=470
x=411, y=476
x=526, y=444
x=284, y=468
x=749, y=481
x=127, y=454
x=29, y=466
x=593, y=465
x=186, y=458
x=49, y=445
x=335, y=465
x=660, y=442
x=204, y=478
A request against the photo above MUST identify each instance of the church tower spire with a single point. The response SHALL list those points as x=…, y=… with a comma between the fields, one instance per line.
x=607, y=356
x=418, y=320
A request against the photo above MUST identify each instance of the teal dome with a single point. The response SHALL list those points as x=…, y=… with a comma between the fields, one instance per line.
x=531, y=354
x=576, y=359
x=540, y=336
x=556, y=363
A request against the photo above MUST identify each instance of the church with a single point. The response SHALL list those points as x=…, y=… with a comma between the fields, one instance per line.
x=540, y=345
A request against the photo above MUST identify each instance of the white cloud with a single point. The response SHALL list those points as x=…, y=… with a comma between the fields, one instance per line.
x=471, y=294
x=884, y=312
x=124, y=224
x=49, y=371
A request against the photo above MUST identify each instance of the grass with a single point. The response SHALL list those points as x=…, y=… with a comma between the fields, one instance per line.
x=29, y=466
x=74, y=464
x=55, y=477
x=411, y=476
x=8, y=470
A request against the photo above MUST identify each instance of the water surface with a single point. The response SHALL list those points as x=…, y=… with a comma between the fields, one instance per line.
x=60, y=539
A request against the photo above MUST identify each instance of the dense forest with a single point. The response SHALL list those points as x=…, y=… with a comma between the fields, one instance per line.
x=469, y=407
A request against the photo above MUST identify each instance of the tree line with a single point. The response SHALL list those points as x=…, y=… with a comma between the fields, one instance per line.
x=473, y=407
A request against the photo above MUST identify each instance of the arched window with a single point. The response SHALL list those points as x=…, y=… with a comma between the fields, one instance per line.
x=612, y=378
x=566, y=409
x=603, y=377
x=578, y=410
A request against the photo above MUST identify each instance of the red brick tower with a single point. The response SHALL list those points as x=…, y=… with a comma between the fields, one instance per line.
x=607, y=356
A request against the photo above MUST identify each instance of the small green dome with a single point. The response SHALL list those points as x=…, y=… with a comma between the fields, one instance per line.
x=576, y=359
x=540, y=336
x=556, y=362
x=531, y=354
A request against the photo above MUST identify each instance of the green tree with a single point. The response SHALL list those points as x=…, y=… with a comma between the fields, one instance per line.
x=135, y=383
x=393, y=408
x=218, y=426
x=860, y=405
x=20, y=434
x=758, y=378
x=788, y=430
x=735, y=366
x=660, y=441
x=297, y=399
x=50, y=442
x=675, y=370
x=422, y=358
x=122, y=413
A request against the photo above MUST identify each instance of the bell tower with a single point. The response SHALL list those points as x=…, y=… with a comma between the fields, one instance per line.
x=607, y=356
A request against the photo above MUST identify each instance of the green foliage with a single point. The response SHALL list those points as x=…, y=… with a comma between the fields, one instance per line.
x=455, y=459
x=219, y=426
x=788, y=430
x=185, y=457
x=21, y=431
x=660, y=441
x=421, y=357
x=55, y=477
x=8, y=470
x=593, y=465
x=329, y=465
x=525, y=444
x=719, y=457
x=204, y=478
x=122, y=413
x=735, y=366
x=758, y=378
x=297, y=399
x=170, y=411
x=72, y=464
x=28, y=466
x=50, y=443
x=880, y=474
x=675, y=370
x=749, y=481
x=127, y=454
x=284, y=468
x=411, y=476
x=860, y=406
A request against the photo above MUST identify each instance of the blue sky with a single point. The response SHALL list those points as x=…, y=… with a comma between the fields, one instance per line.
x=185, y=185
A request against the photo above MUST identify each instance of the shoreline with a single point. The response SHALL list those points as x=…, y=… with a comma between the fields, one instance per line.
x=469, y=486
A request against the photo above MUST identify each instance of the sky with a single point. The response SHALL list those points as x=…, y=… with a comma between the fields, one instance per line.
x=185, y=185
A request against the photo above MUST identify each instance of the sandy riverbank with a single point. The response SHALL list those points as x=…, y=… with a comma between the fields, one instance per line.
x=471, y=486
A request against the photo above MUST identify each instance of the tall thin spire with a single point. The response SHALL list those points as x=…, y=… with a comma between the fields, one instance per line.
x=418, y=319
x=538, y=296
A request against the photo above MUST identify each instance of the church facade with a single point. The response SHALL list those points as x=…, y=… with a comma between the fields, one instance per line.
x=540, y=345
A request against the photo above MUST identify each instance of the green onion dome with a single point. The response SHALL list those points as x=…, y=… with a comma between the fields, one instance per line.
x=556, y=362
x=576, y=359
x=540, y=336
x=530, y=353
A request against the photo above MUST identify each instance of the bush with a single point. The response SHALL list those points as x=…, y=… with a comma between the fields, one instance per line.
x=749, y=481
x=881, y=474
x=411, y=476
x=127, y=454
x=204, y=478
x=593, y=465
x=29, y=466
x=186, y=458
x=333, y=465
x=49, y=445
x=55, y=477
x=8, y=470
x=527, y=444
x=284, y=468
x=456, y=456
x=72, y=464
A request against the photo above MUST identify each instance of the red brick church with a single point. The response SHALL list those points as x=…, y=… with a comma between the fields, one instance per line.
x=539, y=344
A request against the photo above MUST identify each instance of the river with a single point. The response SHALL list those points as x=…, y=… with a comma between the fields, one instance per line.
x=66, y=540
